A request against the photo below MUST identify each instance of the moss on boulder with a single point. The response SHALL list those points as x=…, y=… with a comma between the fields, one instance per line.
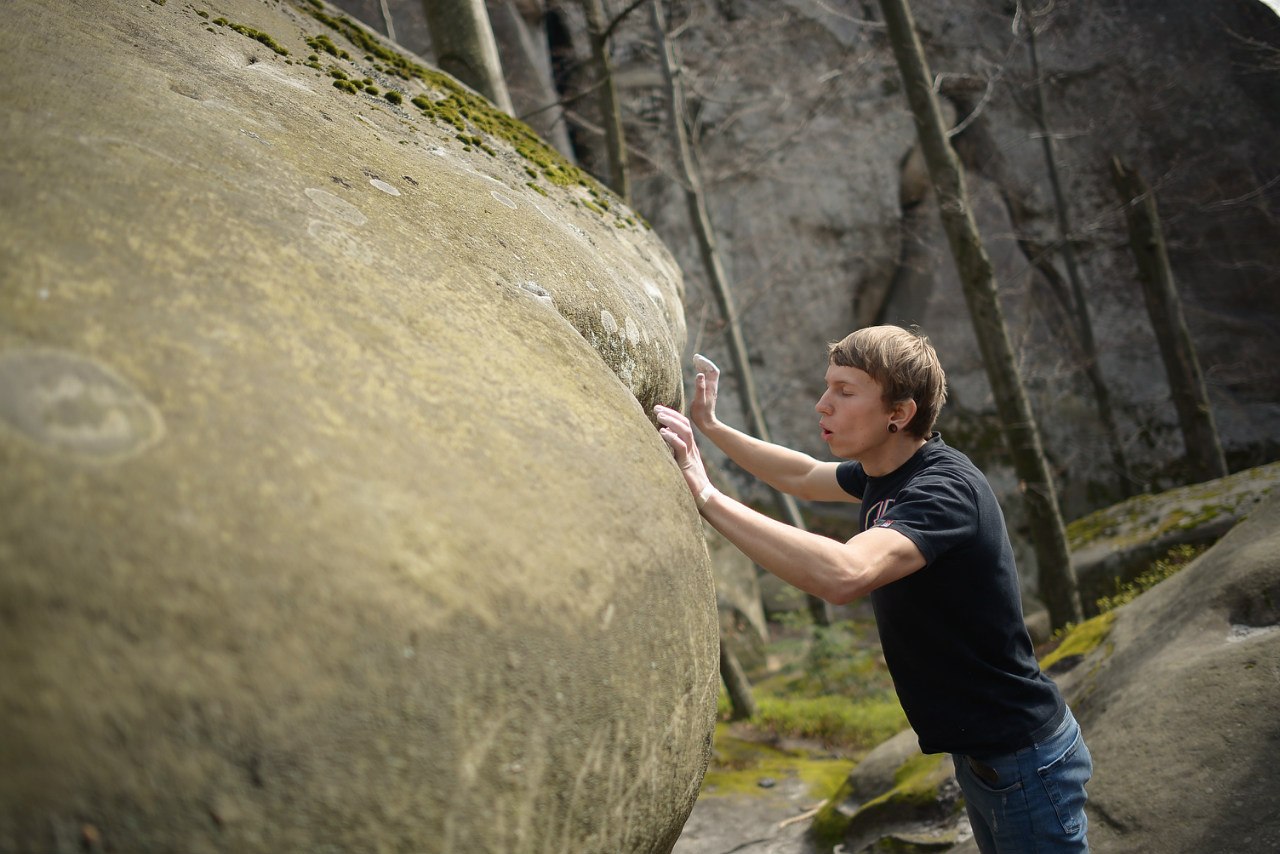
x=897, y=798
x=1114, y=545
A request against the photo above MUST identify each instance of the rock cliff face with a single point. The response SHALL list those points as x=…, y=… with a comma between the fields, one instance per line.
x=330, y=515
x=825, y=224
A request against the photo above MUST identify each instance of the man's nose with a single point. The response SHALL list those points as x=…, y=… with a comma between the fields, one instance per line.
x=821, y=406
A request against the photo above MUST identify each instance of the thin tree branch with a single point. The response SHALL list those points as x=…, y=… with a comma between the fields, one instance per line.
x=563, y=102
x=836, y=13
x=618, y=19
x=1252, y=194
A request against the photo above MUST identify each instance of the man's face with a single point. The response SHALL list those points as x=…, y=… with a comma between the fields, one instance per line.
x=854, y=419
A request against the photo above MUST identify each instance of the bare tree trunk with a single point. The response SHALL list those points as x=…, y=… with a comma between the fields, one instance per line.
x=610, y=107
x=1186, y=382
x=1084, y=323
x=737, y=685
x=716, y=276
x=1057, y=579
x=387, y=23
x=464, y=46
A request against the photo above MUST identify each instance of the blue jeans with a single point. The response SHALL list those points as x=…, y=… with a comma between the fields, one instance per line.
x=1031, y=801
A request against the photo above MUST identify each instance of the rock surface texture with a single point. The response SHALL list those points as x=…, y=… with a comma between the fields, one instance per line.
x=1118, y=543
x=330, y=515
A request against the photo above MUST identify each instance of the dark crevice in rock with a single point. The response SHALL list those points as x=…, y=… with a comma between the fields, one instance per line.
x=1256, y=609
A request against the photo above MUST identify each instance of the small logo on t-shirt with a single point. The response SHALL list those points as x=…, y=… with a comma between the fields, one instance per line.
x=883, y=523
x=876, y=512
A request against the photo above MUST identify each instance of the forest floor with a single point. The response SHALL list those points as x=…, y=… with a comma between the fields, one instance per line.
x=762, y=800
x=747, y=824
x=767, y=777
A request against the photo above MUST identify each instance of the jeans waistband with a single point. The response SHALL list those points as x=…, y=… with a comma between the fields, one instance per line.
x=1039, y=735
x=1049, y=729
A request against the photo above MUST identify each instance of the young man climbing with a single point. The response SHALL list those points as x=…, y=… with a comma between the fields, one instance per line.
x=934, y=556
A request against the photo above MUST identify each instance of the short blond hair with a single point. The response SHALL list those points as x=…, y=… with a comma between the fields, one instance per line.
x=905, y=366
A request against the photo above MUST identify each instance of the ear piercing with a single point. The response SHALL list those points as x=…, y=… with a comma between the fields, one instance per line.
x=893, y=428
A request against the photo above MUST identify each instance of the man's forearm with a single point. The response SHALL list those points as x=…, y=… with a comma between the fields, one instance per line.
x=782, y=468
x=811, y=562
x=837, y=572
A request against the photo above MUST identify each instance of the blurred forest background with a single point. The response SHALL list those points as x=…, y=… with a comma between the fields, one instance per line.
x=802, y=144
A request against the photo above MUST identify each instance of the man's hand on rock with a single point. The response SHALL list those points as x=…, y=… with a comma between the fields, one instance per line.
x=706, y=385
x=677, y=432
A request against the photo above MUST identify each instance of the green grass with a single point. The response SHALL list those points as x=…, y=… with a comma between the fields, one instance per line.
x=1166, y=567
x=740, y=764
x=832, y=687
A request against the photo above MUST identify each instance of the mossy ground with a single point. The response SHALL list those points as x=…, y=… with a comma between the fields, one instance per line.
x=826, y=684
x=825, y=700
x=740, y=765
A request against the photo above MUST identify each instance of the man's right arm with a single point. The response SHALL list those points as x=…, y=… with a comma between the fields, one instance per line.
x=784, y=469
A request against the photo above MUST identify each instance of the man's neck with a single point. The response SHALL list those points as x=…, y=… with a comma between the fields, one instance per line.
x=891, y=455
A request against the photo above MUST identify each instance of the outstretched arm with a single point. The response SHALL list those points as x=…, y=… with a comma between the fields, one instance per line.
x=837, y=572
x=782, y=468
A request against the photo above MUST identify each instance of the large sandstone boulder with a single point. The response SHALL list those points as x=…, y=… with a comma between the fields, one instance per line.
x=1113, y=546
x=330, y=515
x=1179, y=705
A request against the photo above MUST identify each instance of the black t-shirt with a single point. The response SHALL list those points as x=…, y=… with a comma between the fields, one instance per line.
x=953, y=632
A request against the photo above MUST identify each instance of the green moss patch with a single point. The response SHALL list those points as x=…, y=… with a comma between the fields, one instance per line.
x=250, y=32
x=1166, y=567
x=915, y=792
x=833, y=720
x=1080, y=640
x=739, y=765
x=469, y=114
x=322, y=43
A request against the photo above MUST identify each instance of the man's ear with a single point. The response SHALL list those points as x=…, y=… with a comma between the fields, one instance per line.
x=903, y=411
